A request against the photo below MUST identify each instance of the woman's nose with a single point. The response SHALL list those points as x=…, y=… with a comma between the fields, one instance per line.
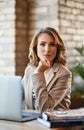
x=47, y=48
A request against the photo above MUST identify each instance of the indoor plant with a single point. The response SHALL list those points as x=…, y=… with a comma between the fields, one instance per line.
x=78, y=75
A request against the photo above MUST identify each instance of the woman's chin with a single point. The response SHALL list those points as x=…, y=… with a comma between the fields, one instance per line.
x=46, y=59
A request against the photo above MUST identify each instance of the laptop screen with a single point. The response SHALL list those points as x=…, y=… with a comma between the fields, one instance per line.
x=10, y=97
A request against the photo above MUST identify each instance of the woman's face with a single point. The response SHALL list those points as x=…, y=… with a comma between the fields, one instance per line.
x=46, y=47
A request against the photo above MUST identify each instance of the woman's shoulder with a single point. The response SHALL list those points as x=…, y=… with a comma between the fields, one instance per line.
x=63, y=69
x=66, y=71
x=30, y=68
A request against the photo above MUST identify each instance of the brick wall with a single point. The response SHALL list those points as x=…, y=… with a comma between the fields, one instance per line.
x=71, y=27
x=41, y=13
x=21, y=37
x=7, y=37
x=13, y=37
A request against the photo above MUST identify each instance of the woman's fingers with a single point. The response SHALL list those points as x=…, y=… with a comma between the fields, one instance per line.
x=43, y=66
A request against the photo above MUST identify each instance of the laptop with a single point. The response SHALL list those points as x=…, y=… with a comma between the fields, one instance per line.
x=11, y=100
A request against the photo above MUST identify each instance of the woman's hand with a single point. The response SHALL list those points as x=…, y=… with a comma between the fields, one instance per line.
x=43, y=66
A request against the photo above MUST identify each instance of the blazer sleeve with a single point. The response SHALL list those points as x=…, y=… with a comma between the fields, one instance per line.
x=56, y=94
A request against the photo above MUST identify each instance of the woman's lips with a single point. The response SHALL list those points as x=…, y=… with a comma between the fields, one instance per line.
x=47, y=55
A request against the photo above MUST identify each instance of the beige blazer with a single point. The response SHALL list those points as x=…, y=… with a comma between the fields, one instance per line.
x=52, y=92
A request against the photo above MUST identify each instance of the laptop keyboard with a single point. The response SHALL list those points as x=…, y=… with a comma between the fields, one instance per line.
x=30, y=115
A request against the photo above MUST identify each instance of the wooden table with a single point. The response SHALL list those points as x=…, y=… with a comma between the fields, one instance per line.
x=30, y=125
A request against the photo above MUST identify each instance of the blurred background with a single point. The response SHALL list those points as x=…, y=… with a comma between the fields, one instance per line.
x=21, y=19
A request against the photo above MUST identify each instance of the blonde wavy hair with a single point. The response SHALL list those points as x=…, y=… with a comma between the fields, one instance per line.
x=60, y=55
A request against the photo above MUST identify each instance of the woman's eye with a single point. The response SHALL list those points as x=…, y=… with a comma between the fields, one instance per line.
x=52, y=44
x=42, y=44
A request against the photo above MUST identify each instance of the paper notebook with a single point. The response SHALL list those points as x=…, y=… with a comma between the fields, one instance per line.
x=60, y=123
x=62, y=118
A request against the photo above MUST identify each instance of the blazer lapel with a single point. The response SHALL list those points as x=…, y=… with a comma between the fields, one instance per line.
x=49, y=76
x=52, y=73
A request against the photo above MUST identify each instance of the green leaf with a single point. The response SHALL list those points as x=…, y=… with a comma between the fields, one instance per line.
x=80, y=50
x=79, y=69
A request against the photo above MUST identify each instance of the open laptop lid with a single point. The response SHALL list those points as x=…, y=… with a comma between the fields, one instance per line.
x=10, y=97
x=11, y=100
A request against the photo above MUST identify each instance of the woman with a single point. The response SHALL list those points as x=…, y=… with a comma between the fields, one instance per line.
x=47, y=82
